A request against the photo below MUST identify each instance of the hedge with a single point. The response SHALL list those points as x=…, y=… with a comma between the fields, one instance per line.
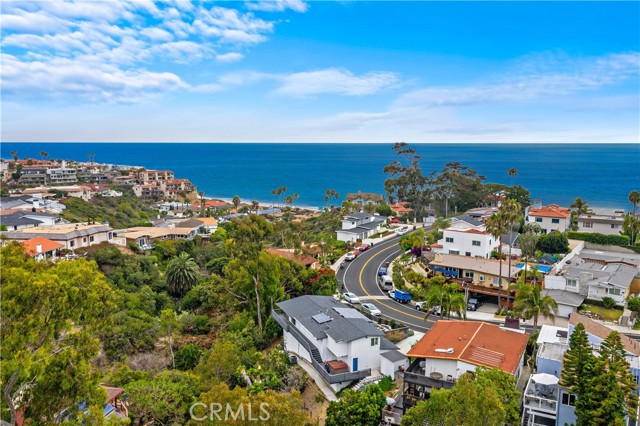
x=610, y=240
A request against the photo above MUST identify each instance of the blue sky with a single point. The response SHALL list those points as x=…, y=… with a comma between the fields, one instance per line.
x=349, y=71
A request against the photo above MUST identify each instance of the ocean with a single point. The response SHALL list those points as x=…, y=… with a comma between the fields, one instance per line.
x=601, y=174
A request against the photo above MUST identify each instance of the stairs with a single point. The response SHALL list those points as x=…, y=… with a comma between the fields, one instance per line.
x=315, y=354
x=367, y=381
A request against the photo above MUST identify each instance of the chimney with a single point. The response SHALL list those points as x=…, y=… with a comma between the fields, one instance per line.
x=36, y=205
x=38, y=248
x=438, y=257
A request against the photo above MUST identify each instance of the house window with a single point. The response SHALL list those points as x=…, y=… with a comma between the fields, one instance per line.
x=449, y=239
x=467, y=253
x=374, y=341
x=91, y=239
x=475, y=243
x=555, y=220
x=481, y=278
x=454, y=251
x=72, y=243
x=468, y=274
x=572, y=283
x=613, y=291
x=495, y=281
x=84, y=240
x=568, y=399
x=614, y=226
x=539, y=219
x=587, y=224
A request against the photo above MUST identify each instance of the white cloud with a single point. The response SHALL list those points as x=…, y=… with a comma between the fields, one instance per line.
x=157, y=34
x=229, y=57
x=277, y=5
x=335, y=81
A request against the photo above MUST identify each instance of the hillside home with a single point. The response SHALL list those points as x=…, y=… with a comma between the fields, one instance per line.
x=72, y=235
x=401, y=208
x=364, y=198
x=452, y=348
x=62, y=175
x=601, y=221
x=25, y=219
x=33, y=175
x=550, y=218
x=307, y=261
x=41, y=248
x=358, y=226
x=338, y=341
x=465, y=241
x=154, y=175
x=596, y=274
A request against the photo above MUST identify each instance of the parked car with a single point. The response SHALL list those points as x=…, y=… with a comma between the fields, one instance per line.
x=474, y=303
x=434, y=310
x=364, y=247
x=351, y=297
x=382, y=271
x=394, y=220
x=401, y=296
x=371, y=308
x=351, y=255
x=401, y=231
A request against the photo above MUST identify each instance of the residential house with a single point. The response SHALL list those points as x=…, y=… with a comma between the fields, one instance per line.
x=452, y=348
x=364, y=198
x=62, y=175
x=358, y=226
x=401, y=208
x=595, y=274
x=33, y=175
x=307, y=261
x=145, y=237
x=154, y=175
x=72, y=235
x=478, y=274
x=209, y=225
x=41, y=248
x=124, y=180
x=25, y=219
x=496, y=199
x=339, y=342
x=601, y=221
x=474, y=242
x=31, y=202
x=550, y=218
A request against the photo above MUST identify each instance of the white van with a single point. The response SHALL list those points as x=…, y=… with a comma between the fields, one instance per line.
x=385, y=282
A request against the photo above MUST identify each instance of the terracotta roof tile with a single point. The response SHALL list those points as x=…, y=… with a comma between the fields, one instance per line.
x=477, y=343
x=30, y=246
x=552, y=210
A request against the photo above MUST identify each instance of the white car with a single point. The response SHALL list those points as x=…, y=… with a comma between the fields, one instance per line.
x=401, y=231
x=351, y=298
x=350, y=256
x=368, y=307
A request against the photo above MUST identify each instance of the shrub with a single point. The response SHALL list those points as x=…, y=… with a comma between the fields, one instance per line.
x=194, y=324
x=188, y=356
x=609, y=240
x=608, y=302
x=386, y=384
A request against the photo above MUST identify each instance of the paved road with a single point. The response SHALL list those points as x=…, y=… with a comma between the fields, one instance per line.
x=359, y=277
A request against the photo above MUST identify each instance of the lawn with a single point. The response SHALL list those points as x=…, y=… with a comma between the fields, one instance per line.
x=612, y=315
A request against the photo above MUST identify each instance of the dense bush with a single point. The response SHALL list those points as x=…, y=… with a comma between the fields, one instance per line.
x=610, y=240
x=554, y=242
x=608, y=302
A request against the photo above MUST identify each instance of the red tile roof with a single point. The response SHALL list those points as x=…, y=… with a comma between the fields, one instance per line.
x=302, y=260
x=476, y=343
x=552, y=210
x=30, y=246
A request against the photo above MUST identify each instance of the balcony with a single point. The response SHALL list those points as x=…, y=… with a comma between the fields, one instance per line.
x=416, y=375
x=282, y=320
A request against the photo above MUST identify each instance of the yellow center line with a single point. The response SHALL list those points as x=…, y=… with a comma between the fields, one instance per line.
x=382, y=303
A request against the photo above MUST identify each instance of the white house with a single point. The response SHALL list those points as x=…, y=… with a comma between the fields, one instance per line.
x=601, y=221
x=474, y=242
x=338, y=341
x=358, y=226
x=72, y=235
x=549, y=218
x=452, y=348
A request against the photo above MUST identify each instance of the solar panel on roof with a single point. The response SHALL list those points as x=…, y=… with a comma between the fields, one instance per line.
x=321, y=318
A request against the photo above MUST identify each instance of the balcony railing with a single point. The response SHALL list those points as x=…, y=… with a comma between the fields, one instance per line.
x=540, y=404
x=286, y=325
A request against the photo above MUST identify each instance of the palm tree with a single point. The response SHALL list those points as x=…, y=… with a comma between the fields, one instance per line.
x=528, y=242
x=512, y=172
x=201, y=194
x=456, y=303
x=511, y=210
x=441, y=223
x=14, y=155
x=531, y=304
x=91, y=156
x=255, y=205
x=236, y=202
x=182, y=274
x=496, y=226
x=634, y=198
x=44, y=154
x=581, y=207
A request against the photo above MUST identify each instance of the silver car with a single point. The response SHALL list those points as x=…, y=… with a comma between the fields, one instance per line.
x=351, y=298
x=371, y=308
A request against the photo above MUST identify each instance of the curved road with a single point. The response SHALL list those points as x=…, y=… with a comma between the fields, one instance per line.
x=360, y=277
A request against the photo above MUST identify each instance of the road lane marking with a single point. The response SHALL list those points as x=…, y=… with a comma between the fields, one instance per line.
x=384, y=304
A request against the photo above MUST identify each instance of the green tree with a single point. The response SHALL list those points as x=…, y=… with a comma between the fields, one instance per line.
x=530, y=303
x=168, y=326
x=357, y=408
x=528, y=242
x=188, y=356
x=220, y=363
x=488, y=399
x=634, y=198
x=50, y=315
x=511, y=211
x=580, y=206
x=554, y=242
x=384, y=210
x=633, y=304
x=182, y=274
x=441, y=223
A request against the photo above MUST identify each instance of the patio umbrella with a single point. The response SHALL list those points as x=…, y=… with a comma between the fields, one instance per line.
x=545, y=379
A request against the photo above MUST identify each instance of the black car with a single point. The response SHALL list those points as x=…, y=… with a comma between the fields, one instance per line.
x=474, y=303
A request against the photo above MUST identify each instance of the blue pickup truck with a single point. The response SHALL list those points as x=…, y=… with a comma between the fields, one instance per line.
x=401, y=296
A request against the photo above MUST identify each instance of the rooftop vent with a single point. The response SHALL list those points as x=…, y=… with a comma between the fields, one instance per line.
x=445, y=351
